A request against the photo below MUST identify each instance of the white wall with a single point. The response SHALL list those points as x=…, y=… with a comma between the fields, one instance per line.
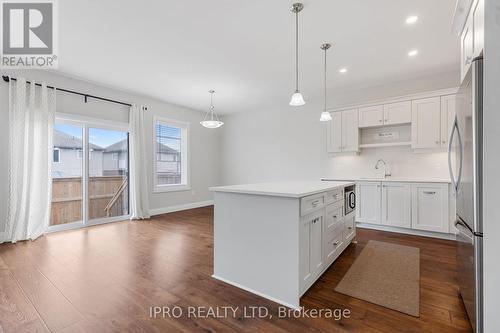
x=491, y=181
x=290, y=143
x=204, y=143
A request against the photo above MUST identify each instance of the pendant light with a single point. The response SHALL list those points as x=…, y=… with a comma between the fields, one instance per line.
x=212, y=122
x=297, y=99
x=325, y=115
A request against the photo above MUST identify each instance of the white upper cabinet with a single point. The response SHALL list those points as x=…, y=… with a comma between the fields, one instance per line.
x=430, y=207
x=368, y=202
x=397, y=113
x=426, y=123
x=350, y=131
x=448, y=111
x=334, y=133
x=343, y=132
x=396, y=204
x=371, y=116
x=472, y=37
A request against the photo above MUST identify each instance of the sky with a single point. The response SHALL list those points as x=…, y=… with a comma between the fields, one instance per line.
x=97, y=136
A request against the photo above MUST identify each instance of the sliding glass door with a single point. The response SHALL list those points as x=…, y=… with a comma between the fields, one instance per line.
x=108, y=173
x=90, y=172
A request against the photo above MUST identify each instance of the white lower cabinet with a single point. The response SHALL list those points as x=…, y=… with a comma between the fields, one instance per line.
x=396, y=204
x=368, y=200
x=419, y=206
x=311, y=243
x=323, y=235
x=430, y=207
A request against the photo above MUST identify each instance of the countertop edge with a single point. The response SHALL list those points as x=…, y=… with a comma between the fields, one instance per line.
x=279, y=194
x=408, y=180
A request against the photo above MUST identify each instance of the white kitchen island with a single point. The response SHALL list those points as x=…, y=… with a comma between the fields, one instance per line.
x=276, y=239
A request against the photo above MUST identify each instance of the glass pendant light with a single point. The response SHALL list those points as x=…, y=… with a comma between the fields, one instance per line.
x=325, y=115
x=297, y=99
x=213, y=120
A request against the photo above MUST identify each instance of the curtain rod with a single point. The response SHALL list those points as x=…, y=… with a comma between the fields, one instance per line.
x=7, y=79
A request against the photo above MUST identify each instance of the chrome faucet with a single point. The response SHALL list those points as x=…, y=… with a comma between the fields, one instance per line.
x=386, y=174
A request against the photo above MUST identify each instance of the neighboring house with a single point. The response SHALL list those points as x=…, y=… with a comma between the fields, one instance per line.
x=68, y=155
x=115, y=159
x=168, y=165
x=109, y=161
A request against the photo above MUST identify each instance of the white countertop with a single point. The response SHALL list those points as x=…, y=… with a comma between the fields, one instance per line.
x=284, y=189
x=389, y=179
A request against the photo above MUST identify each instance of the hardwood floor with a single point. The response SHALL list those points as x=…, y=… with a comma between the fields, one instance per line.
x=106, y=278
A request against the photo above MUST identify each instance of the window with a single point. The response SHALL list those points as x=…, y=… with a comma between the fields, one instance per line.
x=79, y=154
x=115, y=156
x=56, y=158
x=171, y=151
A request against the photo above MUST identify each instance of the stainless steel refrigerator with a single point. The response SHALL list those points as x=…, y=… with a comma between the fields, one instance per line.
x=465, y=157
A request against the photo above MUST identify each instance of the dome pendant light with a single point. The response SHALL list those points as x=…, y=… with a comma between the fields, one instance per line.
x=297, y=99
x=212, y=122
x=325, y=115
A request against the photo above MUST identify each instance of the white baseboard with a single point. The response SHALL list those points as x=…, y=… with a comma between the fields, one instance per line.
x=406, y=231
x=237, y=285
x=177, y=208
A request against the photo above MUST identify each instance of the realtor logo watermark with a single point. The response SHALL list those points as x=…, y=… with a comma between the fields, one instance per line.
x=29, y=34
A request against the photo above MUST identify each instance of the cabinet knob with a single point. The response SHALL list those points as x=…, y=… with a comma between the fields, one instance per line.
x=437, y=142
x=334, y=216
x=350, y=228
x=444, y=141
x=335, y=243
x=380, y=121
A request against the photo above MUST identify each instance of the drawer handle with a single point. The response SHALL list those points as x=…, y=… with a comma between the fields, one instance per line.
x=429, y=192
x=350, y=228
x=335, y=243
x=315, y=203
x=334, y=216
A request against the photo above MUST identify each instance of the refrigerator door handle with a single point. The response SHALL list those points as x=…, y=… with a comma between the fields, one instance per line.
x=456, y=183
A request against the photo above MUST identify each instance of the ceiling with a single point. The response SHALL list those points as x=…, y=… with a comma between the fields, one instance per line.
x=177, y=50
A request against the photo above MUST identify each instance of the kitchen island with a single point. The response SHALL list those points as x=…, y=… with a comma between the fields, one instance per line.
x=276, y=239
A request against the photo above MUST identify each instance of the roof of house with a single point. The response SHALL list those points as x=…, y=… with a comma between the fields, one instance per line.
x=63, y=140
x=122, y=146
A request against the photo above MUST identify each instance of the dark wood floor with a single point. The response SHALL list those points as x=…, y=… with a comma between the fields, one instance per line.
x=105, y=278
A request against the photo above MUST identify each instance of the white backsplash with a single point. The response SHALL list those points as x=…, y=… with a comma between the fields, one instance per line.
x=401, y=161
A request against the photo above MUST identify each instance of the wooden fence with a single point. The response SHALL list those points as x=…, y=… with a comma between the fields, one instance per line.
x=67, y=198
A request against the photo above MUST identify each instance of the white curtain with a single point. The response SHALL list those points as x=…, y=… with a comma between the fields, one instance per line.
x=139, y=194
x=31, y=121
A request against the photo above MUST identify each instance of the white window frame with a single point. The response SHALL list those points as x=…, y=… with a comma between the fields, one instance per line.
x=115, y=156
x=78, y=152
x=58, y=155
x=185, y=168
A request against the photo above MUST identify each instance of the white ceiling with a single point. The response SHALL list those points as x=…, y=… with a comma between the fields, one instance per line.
x=177, y=50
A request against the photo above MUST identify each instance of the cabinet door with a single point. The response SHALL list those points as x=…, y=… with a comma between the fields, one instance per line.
x=310, y=248
x=430, y=207
x=397, y=113
x=350, y=131
x=467, y=46
x=448, y=109
x=425, y=125
x=368, y=200
x=334, y=133
x=478, y=27
x=371, y=116
x=396, y=204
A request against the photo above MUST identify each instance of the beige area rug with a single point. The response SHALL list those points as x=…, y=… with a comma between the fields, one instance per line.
x=385, y=274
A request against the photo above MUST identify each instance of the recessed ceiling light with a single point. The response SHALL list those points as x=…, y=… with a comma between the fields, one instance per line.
x=343, y=70
x=411, y=19
x=413, y=53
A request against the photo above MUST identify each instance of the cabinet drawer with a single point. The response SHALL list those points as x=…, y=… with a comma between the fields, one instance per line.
x=311, y=203
x=333, y=246
x=334, y=196
x=334, y=219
